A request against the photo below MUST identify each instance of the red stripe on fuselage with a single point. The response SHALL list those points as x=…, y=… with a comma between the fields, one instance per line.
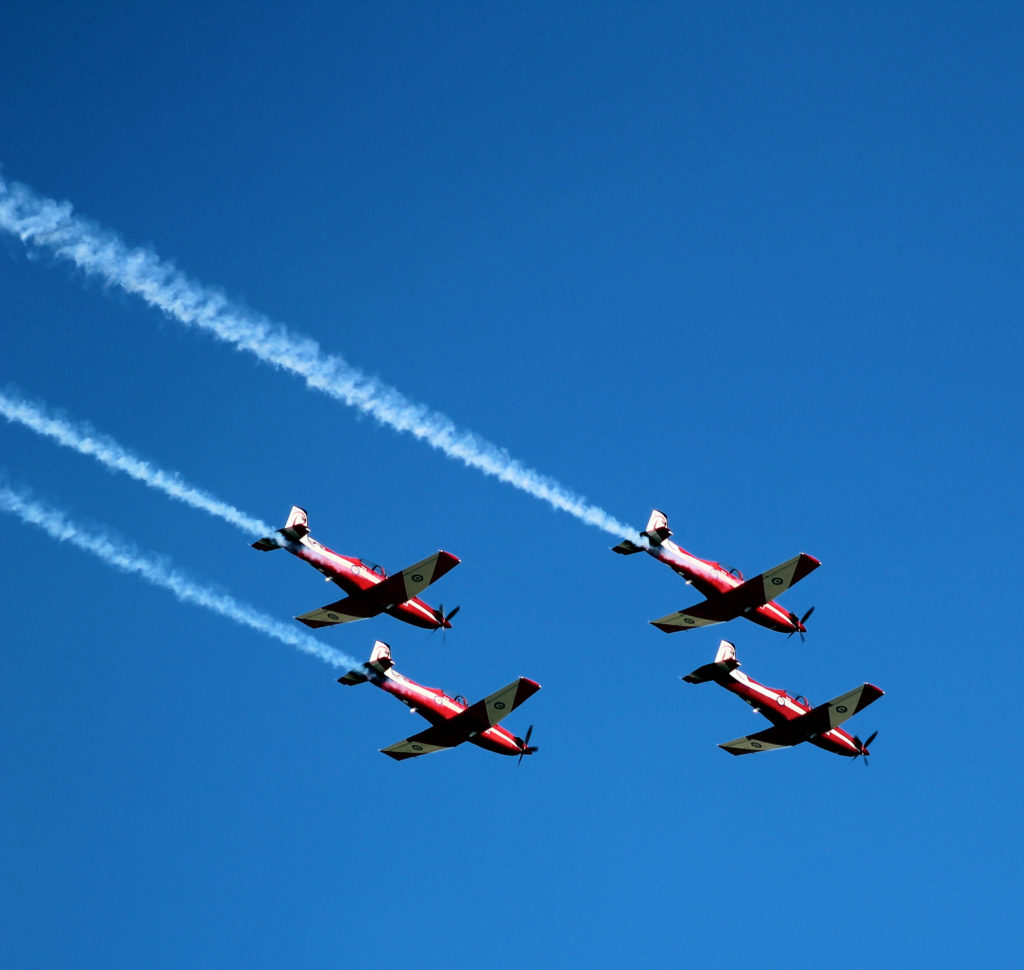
x=774, y=617
x=708, y=577
x=416, y=612
x=348, y=572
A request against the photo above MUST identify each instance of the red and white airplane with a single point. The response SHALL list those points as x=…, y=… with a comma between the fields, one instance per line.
x=370, y=589
x=728, y=594
x=793, y=719
x=452, y=720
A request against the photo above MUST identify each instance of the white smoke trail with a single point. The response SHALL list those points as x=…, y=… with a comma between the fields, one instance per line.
x=53, y=227
x=106, y=450
x=120, y=555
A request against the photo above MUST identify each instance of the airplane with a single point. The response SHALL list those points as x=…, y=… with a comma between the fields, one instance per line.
x=728, y=594
x=371, y=591
x=452, y=720
x=793, y=718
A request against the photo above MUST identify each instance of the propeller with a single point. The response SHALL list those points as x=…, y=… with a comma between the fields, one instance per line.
x=526, y=746
x=799, y=623
x=443, y=621
x=862, y=747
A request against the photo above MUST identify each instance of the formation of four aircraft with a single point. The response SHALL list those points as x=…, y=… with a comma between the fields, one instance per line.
x=371, y=591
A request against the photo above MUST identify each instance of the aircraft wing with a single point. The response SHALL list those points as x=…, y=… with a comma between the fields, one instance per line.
x=343, y=611
x=426, y=742
x=832, y=713
x=771, y=738
x=747, y=596
x=486, y=713
x=412, y=580
x=703, y=614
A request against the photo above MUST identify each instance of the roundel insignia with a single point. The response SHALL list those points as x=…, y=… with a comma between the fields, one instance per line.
x=499, y=705
x=416, y=747
x=842, y=708
x=332, y=616
x=755, y=744
x=776, y=580
x=417, y=577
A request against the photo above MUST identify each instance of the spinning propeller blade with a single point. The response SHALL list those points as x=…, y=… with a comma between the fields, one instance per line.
x=799, y=623
x=526, y=746
x=863, y=746
x=443, y=622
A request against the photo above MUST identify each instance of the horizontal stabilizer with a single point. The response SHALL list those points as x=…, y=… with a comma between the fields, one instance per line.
x=627, y=547
x=656, y=533
x=725, y=663
x=374, y=669
x=295, y=530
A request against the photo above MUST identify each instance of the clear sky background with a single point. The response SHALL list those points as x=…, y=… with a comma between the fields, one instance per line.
x=758, y=265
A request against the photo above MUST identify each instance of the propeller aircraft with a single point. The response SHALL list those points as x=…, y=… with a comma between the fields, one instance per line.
x=452, y=720
x=793, y=719
x=728, y=594
x=370, y=589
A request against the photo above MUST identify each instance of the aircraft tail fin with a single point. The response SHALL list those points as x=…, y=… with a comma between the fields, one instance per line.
x=724, y=664
x=656, y=533
x=374, y=668
x=295, y=530
x=657, y=527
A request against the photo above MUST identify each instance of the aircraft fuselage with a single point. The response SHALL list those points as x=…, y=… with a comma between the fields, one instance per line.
x=355, y=576
x=779, y=707
x=712, y=579
x=437, y=707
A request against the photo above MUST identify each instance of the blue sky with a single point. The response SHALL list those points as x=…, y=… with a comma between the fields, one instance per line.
x=756, y=265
